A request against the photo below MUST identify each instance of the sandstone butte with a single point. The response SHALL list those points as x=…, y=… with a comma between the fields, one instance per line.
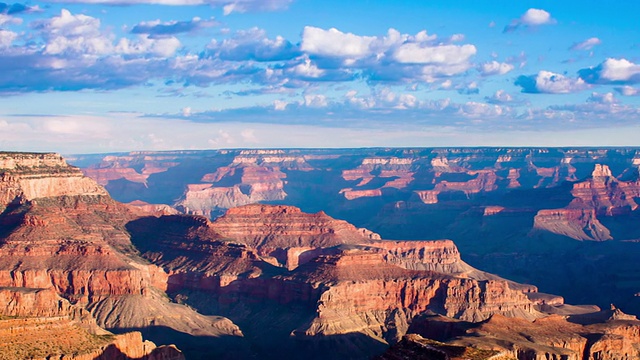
x=299, y=285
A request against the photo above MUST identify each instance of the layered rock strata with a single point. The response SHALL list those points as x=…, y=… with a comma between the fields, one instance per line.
x=63, y=235
x=347, y=280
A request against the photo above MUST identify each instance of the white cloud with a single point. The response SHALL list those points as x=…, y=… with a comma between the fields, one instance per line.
x=334, y=43
x=253, y=44
x=536, y=17
x=495, y=68
x=307, y=69
x=249, y=136
x=9, y=20
x=161, y=47
x=627, y=90
x=587, y=44
x=550, y=83
x=414, y=53
x=315, y=100
x=612, y=71
x=280, y=105
x=619, y=70
x=606, y=98
x=531, y=18
x=69, y=33
x=393, y=57
x=500, y=97
x=6, y=38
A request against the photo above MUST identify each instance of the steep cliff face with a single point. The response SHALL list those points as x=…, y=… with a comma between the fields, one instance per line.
x=257, y=183
x=66, y=237
x=37, y=324
x=58, y=339
x=367, y=295
x=414, y=346
x=30, y=176
x=551, y=337
x=253, y=176
x=605, y=194
x=579, y=224
x=395, y=172
x=343, y=280
x=269, y=228
x=600, y=195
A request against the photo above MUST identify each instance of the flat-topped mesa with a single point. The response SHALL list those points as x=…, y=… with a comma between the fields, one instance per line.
x=257, y=183
x=439, y=256
x=363, y=294
x=576, y=223
x=271, y=158
x=28, y=176
x=606, y=194
x=26, y=161
x=268, y=227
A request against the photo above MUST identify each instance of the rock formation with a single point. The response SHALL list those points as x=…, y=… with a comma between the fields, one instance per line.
x=514, y=212
x=576, y=223
x=37, y=323
x=605, y=194
x=63, y=235
x=345, y=280
x=600, y=335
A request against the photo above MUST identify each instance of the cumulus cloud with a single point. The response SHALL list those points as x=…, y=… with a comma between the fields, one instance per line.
x=627, y=90
x=253, y=44
x=531, y=18
x=550, y=83
x=158, y=29
x=468, y=89
x=536, y=17
x=494, y=68
x=606, y=98
x=415, y=53
x=392, y=57
x=334, y=43
x=162, y=47
x=612, y=71
x=6, y=38
x=71, y=52
x=500, y=97
x=69, y=33
x=9, y=20
x=588, y=44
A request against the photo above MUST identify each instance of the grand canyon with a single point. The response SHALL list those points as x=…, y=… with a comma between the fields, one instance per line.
x=483, y=253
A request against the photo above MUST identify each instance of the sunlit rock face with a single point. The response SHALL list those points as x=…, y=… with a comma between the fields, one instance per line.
x=62, y=236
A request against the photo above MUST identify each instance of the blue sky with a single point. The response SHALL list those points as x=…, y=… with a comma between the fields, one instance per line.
x=118, y=75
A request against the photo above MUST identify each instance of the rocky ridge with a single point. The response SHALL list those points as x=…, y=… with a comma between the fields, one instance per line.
x=63, y=235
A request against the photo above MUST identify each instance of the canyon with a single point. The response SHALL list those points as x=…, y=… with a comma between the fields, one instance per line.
x=291, y=262
x=561, y=218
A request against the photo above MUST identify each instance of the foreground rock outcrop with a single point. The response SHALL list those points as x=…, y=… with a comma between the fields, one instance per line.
x=63, y=241
x=37, y=323
x=607, y=334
